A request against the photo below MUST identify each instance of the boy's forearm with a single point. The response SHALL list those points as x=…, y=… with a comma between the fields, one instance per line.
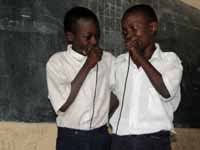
x=114, y=103
x=75, y=86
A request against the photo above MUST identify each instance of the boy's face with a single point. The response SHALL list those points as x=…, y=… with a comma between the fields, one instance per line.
x=85, y=36
x=137, y=31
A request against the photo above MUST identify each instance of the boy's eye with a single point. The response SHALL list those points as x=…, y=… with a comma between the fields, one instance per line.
x=136, y=27
x=133, y=27
x=87, y=37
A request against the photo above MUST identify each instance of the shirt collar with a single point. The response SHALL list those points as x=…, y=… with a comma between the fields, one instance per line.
x=156, y=53
x=75, y=54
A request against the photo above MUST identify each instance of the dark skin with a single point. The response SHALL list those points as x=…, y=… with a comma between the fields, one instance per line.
x=114, y=103
x=139, y=39
x=84, y=40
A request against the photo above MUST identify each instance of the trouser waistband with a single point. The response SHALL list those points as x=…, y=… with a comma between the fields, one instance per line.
x=70, y=131
x=162, y=133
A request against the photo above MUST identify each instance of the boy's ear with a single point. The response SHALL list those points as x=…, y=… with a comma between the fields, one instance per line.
x=154, y=27
x=69, y=36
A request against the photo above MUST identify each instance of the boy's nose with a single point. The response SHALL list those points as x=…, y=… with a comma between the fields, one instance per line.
x=93, y=41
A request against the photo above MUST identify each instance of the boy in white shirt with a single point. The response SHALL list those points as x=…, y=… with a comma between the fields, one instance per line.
x=147, y=84
x=78, y=85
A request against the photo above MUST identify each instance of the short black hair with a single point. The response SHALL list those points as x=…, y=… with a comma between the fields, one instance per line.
x=146, y=10
x=75, y=14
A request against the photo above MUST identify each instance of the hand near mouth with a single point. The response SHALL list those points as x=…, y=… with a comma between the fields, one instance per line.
x=94, y=55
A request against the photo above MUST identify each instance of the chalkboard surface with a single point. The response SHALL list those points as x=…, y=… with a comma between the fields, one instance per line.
x=31, y=31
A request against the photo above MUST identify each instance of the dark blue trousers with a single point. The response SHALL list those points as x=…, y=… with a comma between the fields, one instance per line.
x=71, y=139
x=154, y=141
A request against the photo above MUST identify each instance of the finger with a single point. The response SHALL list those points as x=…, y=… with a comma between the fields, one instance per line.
x=133, y=45
x=98, y=53
x=89, y=49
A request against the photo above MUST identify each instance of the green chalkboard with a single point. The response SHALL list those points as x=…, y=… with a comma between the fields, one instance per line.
x=31, y=31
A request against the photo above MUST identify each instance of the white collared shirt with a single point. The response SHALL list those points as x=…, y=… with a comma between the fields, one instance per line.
x=61, y=69
x=144, y=109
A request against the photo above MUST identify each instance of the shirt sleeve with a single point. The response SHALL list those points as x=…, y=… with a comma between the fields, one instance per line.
x=58, y=86
x=172, y=75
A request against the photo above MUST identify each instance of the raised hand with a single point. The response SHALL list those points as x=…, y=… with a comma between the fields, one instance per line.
x=94, y=55
x=134, y=48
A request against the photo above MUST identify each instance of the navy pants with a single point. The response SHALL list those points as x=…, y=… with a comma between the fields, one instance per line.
x=71, y=139
x=154, y=141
